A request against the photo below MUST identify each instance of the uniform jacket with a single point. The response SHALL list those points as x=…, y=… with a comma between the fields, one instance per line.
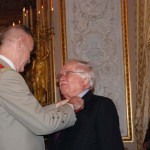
x=22, y=120
x=97, y=127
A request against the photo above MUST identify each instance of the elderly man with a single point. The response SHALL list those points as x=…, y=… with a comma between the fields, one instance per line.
x=97, y=126
x=23, y=120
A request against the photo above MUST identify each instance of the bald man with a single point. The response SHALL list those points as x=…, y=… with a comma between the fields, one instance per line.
x=23, y=120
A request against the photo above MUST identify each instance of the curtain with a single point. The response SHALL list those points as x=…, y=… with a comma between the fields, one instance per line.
x=143, y=70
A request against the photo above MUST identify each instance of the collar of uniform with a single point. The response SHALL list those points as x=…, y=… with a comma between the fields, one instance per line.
x=8, y=62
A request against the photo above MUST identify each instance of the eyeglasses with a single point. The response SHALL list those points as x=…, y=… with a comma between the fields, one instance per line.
x=66, y=74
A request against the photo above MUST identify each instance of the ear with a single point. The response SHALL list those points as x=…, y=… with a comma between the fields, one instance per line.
x=19, y=45
x=86, y=81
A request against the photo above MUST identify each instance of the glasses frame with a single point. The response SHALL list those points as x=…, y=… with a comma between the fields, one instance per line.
x=67, y=74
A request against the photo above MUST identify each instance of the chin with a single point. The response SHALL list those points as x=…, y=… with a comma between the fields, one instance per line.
x=66, y=96
x=64, y=93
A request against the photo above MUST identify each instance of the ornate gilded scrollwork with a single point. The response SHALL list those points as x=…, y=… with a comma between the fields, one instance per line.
x=41, y=75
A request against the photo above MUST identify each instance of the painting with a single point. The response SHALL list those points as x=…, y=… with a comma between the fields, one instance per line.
x=97, y=31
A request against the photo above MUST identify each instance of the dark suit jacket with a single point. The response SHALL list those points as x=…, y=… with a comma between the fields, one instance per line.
x=96, y=128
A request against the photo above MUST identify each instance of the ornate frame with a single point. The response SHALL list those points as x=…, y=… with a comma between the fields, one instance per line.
x=129, y=137
x=63, y=30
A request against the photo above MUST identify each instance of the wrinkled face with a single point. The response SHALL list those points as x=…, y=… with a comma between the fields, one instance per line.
x=71, y=83
x=25, y=49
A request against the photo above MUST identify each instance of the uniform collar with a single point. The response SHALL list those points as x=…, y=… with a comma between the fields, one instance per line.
x=8, y=62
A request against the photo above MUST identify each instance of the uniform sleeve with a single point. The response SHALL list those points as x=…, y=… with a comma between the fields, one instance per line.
x=19, y=102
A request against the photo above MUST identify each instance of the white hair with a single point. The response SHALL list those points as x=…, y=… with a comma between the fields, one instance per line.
x=83, y=66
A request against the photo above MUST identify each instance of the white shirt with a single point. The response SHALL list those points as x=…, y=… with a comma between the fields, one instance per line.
x=83, y=93
x=8, y=62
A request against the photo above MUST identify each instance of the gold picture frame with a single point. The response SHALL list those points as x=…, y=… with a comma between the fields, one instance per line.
x=129, y=137
x=125, y=38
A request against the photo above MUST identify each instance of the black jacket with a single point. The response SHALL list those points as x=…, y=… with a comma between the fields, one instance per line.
x=96, y=128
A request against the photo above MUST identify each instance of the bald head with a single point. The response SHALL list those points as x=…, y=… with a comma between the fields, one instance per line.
x=14, y=32
x=16, y=43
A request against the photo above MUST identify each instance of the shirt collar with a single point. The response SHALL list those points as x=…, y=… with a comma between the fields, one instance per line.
x=8, y=62
x=83, y=93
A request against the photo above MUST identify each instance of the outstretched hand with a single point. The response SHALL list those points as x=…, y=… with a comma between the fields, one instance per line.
x=77, y=102
x=62, y=102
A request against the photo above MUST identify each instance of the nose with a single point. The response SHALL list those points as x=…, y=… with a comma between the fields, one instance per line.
x=62, y=77
x=62, y=80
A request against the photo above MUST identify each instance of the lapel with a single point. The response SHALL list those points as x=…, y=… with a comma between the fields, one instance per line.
x=3, y=63
x=88, y=96
x=1, y=66
x=4, y=66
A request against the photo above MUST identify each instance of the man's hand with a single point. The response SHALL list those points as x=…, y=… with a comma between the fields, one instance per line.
x=77, y=102
x=60, y=103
